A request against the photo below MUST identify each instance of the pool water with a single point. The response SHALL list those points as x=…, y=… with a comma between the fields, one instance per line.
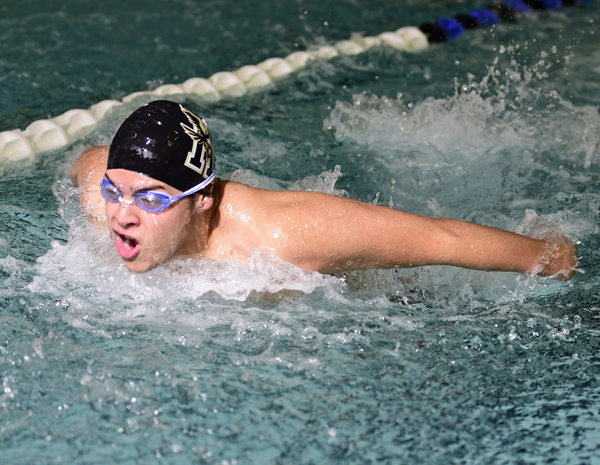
x=220, y=363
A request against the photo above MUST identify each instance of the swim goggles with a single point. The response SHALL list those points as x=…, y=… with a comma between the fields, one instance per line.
x=149, y=201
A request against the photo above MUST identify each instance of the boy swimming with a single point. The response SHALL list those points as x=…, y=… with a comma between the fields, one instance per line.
x=155, y=188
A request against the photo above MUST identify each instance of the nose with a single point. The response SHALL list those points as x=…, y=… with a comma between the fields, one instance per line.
x=125, y=213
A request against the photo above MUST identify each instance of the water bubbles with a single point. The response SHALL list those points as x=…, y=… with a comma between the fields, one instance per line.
x=563, y=331
x=376, y=199
x=324, y=182
x=176, y=448
x=476, y=343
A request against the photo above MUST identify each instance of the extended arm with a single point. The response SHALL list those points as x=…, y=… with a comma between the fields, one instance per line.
x=331, y=234
x=459, y=243
x=353, y=235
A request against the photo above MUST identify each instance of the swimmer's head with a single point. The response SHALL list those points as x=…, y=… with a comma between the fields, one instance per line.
x=165, y=141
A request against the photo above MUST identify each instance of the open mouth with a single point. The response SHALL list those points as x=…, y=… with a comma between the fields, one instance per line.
x=127, y=247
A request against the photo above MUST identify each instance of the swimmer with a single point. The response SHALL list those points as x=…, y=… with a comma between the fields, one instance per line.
x=155, y=188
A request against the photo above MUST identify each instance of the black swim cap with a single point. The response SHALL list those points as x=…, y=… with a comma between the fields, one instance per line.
x=166, y=141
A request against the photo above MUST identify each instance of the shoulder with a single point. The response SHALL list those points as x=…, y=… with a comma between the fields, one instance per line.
x=92, y=160
x=86, y=173
x=242, y=195
x=265, y=203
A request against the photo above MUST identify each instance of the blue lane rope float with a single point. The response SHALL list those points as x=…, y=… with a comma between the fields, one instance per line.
x=44, y=135
x=452, y=28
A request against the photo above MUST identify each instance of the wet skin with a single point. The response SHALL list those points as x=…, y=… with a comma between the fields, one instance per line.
x=144, y=240
x=314, y=231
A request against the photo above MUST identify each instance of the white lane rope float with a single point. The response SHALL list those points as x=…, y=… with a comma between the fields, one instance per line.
x=51, y=134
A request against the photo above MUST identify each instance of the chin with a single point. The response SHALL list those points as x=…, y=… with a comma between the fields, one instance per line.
x=139, y=266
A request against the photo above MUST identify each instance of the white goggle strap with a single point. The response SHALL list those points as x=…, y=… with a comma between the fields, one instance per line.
x=197, y=187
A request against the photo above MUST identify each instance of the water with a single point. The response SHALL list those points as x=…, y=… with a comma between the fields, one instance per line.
x=226, y=364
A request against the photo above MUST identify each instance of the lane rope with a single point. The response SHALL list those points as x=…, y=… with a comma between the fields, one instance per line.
x=51, y=134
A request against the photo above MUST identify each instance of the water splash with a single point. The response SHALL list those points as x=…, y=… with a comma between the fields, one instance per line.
x=510, y=107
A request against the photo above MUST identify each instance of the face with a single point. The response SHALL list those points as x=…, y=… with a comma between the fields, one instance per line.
x=145, y=240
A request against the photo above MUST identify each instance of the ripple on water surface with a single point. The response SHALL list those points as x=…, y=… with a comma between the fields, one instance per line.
x=201, y=362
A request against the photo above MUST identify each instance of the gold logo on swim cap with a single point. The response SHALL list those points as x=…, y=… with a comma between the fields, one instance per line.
x=199, y=134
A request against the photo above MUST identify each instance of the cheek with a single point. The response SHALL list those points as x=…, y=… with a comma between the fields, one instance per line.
x=170, y=224
x=108, y=208
x=154, y=224
x=111, y=211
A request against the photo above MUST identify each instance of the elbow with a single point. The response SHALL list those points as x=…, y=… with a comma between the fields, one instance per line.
x=92, y=159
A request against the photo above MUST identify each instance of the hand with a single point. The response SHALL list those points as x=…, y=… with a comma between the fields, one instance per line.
x=559, y=260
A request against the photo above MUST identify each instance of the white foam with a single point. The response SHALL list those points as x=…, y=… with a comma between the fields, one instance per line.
x=324, y=182
x=480, y=117
x=460, y=130
x=88, y=264
x=457, y=147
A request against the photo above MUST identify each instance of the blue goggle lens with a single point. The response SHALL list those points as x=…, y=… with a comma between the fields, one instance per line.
x=109, y=191
x=152, y=202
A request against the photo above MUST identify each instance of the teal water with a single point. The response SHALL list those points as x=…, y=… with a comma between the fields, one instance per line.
x=200, y=362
